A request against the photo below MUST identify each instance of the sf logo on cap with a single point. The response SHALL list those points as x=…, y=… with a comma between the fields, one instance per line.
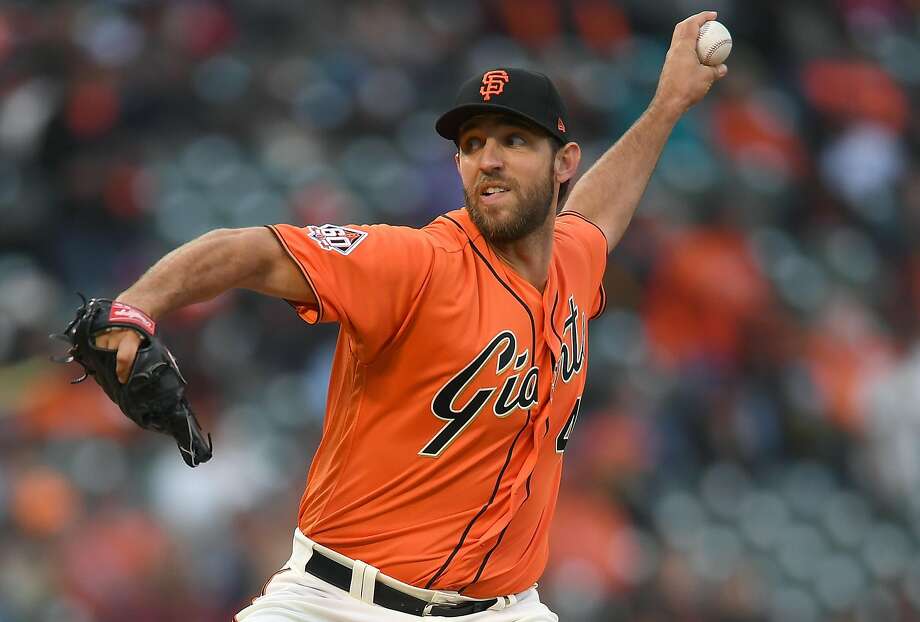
x=493, y=83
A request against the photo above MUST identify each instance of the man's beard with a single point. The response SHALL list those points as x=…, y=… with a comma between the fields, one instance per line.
x=529, y=214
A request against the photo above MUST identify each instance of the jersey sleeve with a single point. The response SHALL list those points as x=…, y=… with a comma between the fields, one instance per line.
x=366, y=277
x=587, y=242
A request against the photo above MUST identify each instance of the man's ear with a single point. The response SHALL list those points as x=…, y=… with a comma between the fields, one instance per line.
x=457, y=160
x=567, y=160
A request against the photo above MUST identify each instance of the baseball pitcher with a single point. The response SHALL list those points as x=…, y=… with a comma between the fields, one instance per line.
x=460, y=365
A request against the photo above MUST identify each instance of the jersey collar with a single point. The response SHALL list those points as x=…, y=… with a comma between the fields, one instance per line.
x=521, y=285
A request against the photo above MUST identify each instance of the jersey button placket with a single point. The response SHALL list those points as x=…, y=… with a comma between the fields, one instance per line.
x=550, y=336
x=552, y=386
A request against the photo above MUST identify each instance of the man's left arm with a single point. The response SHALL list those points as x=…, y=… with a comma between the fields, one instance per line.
x=609, y=192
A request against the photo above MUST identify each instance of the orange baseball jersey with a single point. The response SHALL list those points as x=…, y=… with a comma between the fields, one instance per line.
x=454, y=388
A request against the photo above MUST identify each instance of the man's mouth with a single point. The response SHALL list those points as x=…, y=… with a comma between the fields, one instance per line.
x=487, y=190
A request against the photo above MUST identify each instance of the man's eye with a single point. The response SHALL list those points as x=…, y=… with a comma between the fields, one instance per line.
x=516, y=140
x=471, y=144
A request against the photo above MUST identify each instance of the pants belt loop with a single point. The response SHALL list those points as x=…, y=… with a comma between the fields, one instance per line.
x=370, y=580
x=363, y=580
x=357, y=579
x=503, y=602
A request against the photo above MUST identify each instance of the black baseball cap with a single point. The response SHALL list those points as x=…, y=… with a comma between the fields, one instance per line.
x=519, y=92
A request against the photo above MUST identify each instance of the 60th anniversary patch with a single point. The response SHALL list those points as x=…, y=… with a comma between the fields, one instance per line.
x=335, y=238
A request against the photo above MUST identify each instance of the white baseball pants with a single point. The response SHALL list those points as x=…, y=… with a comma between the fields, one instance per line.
x=294, y=595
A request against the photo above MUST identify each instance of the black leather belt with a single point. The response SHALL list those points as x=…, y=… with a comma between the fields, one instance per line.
x=339, y=575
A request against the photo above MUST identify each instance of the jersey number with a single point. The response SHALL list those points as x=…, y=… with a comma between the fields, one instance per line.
x=563, y=439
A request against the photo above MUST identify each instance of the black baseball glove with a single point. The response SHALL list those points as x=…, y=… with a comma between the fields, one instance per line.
x=154, y=395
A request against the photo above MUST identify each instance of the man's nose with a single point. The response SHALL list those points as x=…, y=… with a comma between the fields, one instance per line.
x=491, y=156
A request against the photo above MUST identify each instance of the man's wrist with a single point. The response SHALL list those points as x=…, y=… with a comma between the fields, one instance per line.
x=139, y=302
x=127, y=313
x=667, y=111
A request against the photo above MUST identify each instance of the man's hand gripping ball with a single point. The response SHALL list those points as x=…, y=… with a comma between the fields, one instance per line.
x=684, y=79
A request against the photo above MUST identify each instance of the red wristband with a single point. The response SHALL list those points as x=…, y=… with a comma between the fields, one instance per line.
x=131, y=315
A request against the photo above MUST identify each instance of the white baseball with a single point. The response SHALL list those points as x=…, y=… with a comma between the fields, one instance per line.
x=714, y=43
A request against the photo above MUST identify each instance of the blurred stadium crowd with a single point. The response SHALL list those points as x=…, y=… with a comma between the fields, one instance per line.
x=748, y=447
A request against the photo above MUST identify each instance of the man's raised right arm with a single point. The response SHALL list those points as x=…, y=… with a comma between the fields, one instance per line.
x=220, y=260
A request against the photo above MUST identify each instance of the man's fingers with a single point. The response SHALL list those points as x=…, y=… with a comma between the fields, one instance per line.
x=126, y=341
x=106, y=340
x=690, y=27
x=124, y=359
x=700, y=18
x=717, y=74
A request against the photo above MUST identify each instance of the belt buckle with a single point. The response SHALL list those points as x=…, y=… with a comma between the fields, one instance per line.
x=429, y=608
x=466, y=608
